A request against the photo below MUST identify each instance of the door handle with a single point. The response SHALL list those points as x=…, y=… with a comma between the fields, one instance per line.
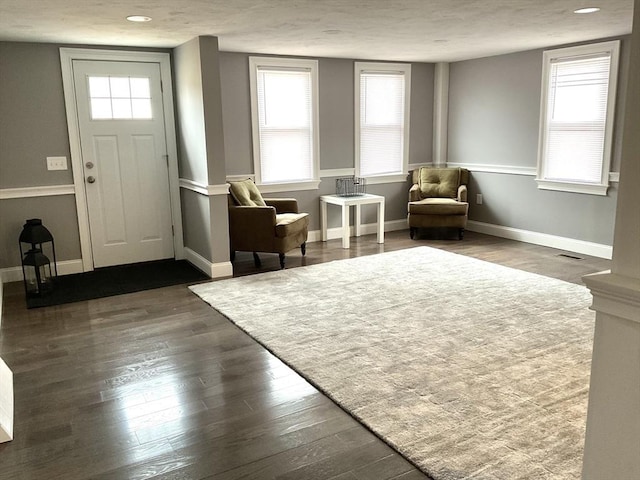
x=91, y=179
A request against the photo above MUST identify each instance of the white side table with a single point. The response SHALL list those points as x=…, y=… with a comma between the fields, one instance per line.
x=345, y=203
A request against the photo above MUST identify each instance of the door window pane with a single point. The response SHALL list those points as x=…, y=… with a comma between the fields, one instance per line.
x=120, y=98
x=101, y=108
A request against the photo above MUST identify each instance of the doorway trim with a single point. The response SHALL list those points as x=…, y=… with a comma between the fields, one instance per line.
x=67, y=56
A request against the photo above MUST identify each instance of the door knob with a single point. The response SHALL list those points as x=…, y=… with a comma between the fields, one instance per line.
x=91, y=179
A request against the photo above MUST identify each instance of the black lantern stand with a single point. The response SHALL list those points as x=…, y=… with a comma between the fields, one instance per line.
x=35, y=240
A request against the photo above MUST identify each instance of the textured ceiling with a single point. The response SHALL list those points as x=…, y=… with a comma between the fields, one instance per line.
x=405, y=30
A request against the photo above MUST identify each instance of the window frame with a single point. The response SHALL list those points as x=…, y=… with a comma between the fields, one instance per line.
x=383, y=68
x=276, y=63
x=612, y=48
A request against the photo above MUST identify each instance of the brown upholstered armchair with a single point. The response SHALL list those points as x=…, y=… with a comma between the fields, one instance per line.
x=438, y=198
x=271, y=225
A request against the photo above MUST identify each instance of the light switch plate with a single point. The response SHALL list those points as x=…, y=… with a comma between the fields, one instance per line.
x=56, y=163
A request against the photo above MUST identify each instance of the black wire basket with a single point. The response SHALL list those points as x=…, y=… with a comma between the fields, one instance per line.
x=351, y=186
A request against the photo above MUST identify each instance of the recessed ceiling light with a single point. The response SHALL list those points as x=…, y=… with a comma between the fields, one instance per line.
x=587, y=10
x=138, y=18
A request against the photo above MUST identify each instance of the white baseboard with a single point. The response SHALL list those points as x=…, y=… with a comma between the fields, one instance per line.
x=214, y=270
x=66, y=267
x=365, y=229
x=544, y=239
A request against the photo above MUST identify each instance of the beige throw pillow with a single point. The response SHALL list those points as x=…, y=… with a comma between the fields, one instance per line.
x=246, y=194
x=439, y=182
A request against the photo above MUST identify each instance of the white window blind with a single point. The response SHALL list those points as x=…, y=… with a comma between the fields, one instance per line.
x=381, y=122
x=577, y=117
x=284, y=97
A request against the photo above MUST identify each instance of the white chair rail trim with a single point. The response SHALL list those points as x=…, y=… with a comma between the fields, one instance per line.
x=39, y=191
x=203, y=189
x=505, y=169
x=511, y=169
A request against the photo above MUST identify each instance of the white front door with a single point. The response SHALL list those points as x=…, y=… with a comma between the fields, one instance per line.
x=124, y=158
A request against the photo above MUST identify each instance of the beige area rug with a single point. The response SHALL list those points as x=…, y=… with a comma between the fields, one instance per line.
x=471, y=370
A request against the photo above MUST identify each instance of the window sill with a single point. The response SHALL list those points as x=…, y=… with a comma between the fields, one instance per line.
x=392, y=178
x=288, y=187
x=572, y=187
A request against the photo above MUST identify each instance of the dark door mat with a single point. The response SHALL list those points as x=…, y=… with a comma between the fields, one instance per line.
x=109, y=281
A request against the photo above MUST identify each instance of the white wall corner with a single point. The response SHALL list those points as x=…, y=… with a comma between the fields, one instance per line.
x=613, y=419
x=214, y=270
x=615, y=295
x=6, y=403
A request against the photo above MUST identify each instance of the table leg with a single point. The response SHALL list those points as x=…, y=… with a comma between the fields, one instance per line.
x=357, y=221
x=345, y=226
x=381, y=222
x=323, y=220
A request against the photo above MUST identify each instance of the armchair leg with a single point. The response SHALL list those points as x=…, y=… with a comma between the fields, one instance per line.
x=281, y=255
x=412, y=232
x=303, y=248
x=256, y=260
x=461, y=234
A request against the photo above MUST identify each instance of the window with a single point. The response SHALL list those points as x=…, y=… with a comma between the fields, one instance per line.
x=120, y=98
x=284, y=107
x=382, y=92
x=576, y=118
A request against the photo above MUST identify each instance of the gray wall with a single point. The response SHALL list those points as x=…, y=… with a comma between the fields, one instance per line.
x=58, y=214
x=33, y=126
x=33, y=122
x=336, y=129
x=494, y=108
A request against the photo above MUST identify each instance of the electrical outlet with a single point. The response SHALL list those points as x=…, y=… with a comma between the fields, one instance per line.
x=56, y=163
x=478, y=199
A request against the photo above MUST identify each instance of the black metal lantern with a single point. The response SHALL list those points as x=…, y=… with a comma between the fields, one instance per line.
x=35, y=243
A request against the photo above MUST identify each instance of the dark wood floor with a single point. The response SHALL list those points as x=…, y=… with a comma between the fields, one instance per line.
x=158, y=385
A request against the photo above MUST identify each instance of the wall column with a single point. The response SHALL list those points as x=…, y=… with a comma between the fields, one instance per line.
x=202, y=157
x=440, y=113
x=612, y=445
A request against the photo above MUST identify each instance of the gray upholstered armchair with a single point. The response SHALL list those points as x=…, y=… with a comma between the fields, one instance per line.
x=438, y=198
x=270, y=225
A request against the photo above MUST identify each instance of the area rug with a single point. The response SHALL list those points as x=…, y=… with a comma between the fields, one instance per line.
x=109, y=281
x=469, y=369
